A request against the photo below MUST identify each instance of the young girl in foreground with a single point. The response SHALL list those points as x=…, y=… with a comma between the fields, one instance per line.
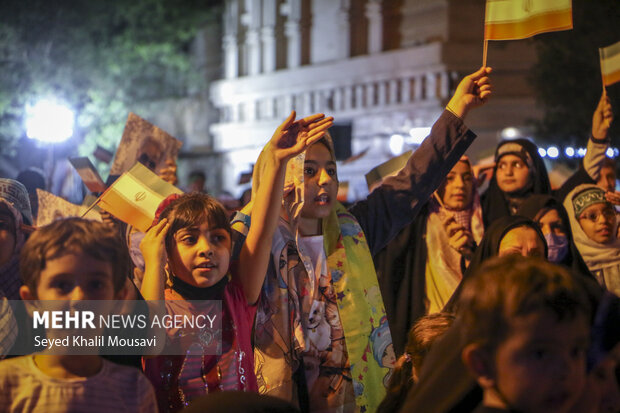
x=194, y=231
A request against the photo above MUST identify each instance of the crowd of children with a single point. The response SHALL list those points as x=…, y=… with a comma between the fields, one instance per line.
x=426, y=296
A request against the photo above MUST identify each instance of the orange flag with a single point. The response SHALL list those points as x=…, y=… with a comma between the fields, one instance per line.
x=610, y=63
x=518, y=19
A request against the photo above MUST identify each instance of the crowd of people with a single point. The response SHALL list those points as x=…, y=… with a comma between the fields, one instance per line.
x=430, y=295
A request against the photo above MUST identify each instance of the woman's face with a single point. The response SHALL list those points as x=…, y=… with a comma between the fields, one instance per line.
x=457, y=190
x=523, y=241
x=512, y=174
x=551, y=223
x=320, y=182
x=598, y=221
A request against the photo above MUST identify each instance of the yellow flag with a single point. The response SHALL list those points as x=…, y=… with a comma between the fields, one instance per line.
x=135, y=195
x=610, y=63
x=518, y=19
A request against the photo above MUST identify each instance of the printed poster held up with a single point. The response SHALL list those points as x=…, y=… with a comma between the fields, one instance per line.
x=53, y=208
x=146, y=143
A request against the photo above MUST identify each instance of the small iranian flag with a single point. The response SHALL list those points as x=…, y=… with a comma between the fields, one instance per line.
x=518, y=19
x=610, y=63
x=135, y=195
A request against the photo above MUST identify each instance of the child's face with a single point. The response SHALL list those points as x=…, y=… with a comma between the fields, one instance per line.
x=320, y=182
x=540, y=366
x=598, y=222
x=74, y=276
x=457, y=189
x=512, y=174
x=200, y=255
x=7, y=235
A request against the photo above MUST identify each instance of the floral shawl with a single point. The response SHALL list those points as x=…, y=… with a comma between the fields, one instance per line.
x=280, y=336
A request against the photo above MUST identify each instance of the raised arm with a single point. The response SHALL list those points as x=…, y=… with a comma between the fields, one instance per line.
x=595, y=154
x=399, y=199
x=599, y=141
x=290, y=139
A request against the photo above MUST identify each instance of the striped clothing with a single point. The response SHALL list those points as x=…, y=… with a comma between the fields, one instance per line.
x=115, y=388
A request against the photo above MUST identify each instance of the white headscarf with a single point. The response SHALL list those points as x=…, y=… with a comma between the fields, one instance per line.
x=596, y=255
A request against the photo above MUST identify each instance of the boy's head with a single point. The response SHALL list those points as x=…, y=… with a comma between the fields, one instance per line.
x=74, y=259
x=199, y=240
x=422, y=335
x=526, y=325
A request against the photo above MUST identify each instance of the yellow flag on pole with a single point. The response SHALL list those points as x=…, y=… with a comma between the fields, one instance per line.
x=610, y=63
x=518, y=19
x=135, y=195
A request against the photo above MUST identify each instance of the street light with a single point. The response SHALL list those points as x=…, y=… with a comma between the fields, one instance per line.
x=49, y=121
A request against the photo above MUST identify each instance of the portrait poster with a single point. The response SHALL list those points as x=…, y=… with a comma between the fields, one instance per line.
x=146, y=143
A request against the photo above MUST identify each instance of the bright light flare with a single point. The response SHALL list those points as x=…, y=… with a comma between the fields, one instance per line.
x=417, y=135
x=553, y=152
x=49, y=121
x=397, y=142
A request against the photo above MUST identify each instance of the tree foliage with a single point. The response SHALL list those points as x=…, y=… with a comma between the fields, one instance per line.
x=567, y=77
x=100, y=57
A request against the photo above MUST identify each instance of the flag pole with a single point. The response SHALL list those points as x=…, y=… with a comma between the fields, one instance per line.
x=90, y=208
x=484, y=52
x=600, y=59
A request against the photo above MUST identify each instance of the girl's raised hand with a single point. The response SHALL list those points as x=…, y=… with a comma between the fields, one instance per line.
x=153, y=246
x=293, y=137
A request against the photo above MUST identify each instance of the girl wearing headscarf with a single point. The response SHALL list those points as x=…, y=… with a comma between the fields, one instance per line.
x=14, y=213
x=321, y=335
x=512, y=234
x=554, y=223
x=594, y=226
x=519, y=172
x=419, y=270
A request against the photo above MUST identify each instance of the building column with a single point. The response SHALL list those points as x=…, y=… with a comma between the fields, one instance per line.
x=292, y=30
x=251, y=19
x=230, y=43
x=375, y=26
x=268, y=35
x=344, y=29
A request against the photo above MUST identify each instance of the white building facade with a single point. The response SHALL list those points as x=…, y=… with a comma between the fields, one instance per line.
x=383, y=69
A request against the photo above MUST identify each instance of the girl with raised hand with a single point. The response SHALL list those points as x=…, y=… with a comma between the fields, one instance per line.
x=321, y=337
x=190, y=247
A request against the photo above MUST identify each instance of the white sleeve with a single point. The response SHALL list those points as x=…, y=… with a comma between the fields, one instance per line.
x=594, y=157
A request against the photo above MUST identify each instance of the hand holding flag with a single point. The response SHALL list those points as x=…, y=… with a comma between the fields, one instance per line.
x=602, y=118
x=474, y=90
